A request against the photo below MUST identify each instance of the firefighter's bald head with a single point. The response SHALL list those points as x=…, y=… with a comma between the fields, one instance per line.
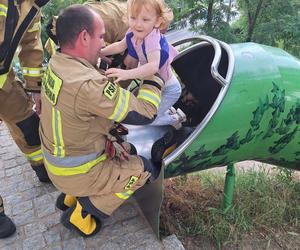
x=71, y=22
x=80, y=32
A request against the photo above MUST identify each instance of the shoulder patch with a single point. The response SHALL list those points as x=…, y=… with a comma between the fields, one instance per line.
x=110, y=90
x=133, y=179
x=51, y=85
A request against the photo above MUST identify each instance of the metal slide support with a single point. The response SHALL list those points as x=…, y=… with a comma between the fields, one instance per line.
x=229, y=187
x=149, y=198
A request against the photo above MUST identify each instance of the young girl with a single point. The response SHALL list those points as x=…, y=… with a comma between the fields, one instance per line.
x=150, y=49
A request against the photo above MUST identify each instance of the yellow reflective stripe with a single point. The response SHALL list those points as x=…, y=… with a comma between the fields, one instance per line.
x=3, y=7
x=149, y=96
x=60, y=137
x=35, y=27
x=3, y=80
x=52, y=46
x=59, y=145
x=81, y=169
x=53, y=132
x=3, y=10
x=125, y=195
x=33, y=72
x=122, y=106
x=123, y=112
x=35, y=156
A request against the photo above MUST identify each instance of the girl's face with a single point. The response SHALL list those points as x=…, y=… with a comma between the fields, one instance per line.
x=143, y=22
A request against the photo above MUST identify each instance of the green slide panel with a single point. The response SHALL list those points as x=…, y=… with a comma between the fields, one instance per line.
x=242, y=102
x=248, y=106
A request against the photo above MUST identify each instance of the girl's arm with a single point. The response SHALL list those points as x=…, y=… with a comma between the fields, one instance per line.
x=140, y=72
x=114, y=48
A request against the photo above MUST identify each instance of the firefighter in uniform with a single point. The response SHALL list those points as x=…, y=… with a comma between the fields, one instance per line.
x=112, y=13
x=80, y=106
x=20, y=26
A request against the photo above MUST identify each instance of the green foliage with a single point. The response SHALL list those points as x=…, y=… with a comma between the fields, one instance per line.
x=263, y=203
x=270, y=22
x=52, y=8
x=209, y=16
x=181, y=10
x=285, y=175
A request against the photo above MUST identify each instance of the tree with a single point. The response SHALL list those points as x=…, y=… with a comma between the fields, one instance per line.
x=228, y=14
x=211, y=17
x=271, y=22
x=52, y=8
x=252, y=10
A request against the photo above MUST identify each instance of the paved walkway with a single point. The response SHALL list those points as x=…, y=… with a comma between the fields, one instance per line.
x=31, y=205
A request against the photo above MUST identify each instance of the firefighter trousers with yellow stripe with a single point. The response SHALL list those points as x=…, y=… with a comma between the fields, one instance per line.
x=23, y=123
x=105, y=186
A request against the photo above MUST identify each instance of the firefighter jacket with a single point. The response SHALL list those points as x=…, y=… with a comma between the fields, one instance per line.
x=20, y=26
x=114, y=15
x=80, y=107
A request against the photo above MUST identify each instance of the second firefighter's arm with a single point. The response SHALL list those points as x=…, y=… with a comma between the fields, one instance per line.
x=31, y=56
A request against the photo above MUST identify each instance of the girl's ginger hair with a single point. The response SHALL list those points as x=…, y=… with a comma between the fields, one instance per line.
x=161, y=8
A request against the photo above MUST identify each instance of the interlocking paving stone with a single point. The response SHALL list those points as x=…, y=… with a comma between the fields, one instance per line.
x=172, y=243
x=31, y=205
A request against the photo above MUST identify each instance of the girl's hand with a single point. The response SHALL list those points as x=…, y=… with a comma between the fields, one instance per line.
x=120, y=74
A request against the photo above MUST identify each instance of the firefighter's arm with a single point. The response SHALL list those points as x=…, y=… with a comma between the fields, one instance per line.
x=31, y=56
x=51, y=29
x=110, y=101
x=52, y=42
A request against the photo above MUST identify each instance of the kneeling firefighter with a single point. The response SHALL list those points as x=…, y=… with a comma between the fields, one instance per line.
x=80, y=107
x=20, y=26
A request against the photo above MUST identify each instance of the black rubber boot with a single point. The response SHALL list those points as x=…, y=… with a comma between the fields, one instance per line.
x=164, y=146
x=75, y=218
x=41, y=173
x=65, y=201
x=7, y=227
x=152, y=168
x=132, y=150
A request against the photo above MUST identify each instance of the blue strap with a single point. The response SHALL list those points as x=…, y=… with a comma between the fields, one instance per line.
x=164, y=51
x=131, y=49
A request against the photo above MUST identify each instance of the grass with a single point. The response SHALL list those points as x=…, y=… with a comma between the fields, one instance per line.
x=265, y=202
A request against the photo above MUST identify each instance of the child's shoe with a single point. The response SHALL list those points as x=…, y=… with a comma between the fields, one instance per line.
x=172, y=111
x=179, y=118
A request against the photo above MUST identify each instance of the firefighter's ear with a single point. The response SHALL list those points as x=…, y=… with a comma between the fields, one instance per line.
x=84, y=37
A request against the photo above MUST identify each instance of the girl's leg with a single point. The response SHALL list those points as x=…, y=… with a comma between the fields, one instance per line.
x=170, y=95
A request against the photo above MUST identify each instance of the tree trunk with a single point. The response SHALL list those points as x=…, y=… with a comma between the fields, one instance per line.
x=252, y=18
x=209, y=14
x=229, y=12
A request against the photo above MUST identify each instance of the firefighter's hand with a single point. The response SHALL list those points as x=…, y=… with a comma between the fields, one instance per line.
x=106, y=59
x=37, y=99
x=120, y=74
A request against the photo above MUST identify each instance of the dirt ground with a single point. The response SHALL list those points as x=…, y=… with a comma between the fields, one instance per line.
x=287, y=240
x=282, y=240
